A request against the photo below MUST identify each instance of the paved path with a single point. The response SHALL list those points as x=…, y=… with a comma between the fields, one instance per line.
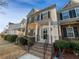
x=9, y=50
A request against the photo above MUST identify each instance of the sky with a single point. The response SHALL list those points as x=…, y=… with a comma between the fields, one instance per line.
x=18, y=9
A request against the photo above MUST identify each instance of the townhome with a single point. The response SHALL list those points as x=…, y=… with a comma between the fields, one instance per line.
x=69, y=20
x=12, y=28
x=21, y=30
x=43, y=25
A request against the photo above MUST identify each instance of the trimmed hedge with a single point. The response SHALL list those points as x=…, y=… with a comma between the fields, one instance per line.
x=63, y=44
x=10, y=38
x=76, y=46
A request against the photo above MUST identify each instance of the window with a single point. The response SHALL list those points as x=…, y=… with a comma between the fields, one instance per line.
x=65, y=15
x=29, y=21
x=49, y=14
x=41, y=16
x=61, y=16
x=35, y=18
x=72, y=13
x=45, y=15
x=76, y=31
x=32, y=20
x=70, y=32
x=45, y=34
x=38, y=17
x=77, y=12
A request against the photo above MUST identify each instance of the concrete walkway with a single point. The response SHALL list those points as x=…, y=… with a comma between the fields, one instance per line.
x=29, y=56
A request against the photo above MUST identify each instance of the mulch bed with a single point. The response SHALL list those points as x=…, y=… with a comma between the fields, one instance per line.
x=69, y=56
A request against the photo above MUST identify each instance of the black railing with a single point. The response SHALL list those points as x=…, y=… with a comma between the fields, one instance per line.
x=45, y=48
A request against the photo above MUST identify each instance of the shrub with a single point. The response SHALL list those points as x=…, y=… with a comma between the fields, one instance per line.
x=22, y=40
x=63, y=44
x=10, y=38
x=31, y=41
x=76, y=46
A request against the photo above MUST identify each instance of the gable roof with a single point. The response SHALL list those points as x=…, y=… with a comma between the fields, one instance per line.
x=47, y=8
x=32, y=11
x=23, y=20
x=70, y=4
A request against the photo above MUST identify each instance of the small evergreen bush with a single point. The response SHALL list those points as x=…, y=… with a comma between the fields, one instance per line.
x=22, y=40
x=70, y=44
x=10, y=38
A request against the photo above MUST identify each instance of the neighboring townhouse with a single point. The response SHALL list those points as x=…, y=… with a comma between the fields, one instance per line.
x=12, y=28
x=69, y=20
x=21, y=30
x=43, y=24
x=15, y=28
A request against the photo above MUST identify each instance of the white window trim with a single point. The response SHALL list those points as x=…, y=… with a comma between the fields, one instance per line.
x=76, y=12
x=68, y=14
x=42, y=29
x=46, y=27
x=78, y=30
x=40, y=16
x=73, y=32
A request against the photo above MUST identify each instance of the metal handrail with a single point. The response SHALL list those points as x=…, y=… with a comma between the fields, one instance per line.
x=45, y=47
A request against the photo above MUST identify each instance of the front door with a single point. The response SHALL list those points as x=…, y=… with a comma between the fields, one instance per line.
x=44, y=35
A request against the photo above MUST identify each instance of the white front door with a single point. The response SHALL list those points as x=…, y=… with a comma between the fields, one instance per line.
x=44, y=35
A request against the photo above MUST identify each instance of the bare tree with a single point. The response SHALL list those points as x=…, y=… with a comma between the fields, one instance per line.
x=3, y=3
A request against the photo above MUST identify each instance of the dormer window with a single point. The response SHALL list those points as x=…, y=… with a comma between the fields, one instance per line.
x=77, y=12
x=65, y=15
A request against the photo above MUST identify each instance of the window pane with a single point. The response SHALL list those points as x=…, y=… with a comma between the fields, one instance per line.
x=48, y=14
x=45, y=15
x=77, y=12
x=65, y=15
x=70, y=32
x=45, y=34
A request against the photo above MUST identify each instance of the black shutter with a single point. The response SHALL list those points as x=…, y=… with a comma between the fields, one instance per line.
x=38, y=17
x=72, y=13
x=41, y=16
x=76, y=32
x=48, y=14
x=64, y=32
x=61, y=16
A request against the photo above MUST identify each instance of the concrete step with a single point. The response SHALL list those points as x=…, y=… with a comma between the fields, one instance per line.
x=41, y=51
x=40, y=47
x=40, y=55
x=36, y=53
x=38, y=50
